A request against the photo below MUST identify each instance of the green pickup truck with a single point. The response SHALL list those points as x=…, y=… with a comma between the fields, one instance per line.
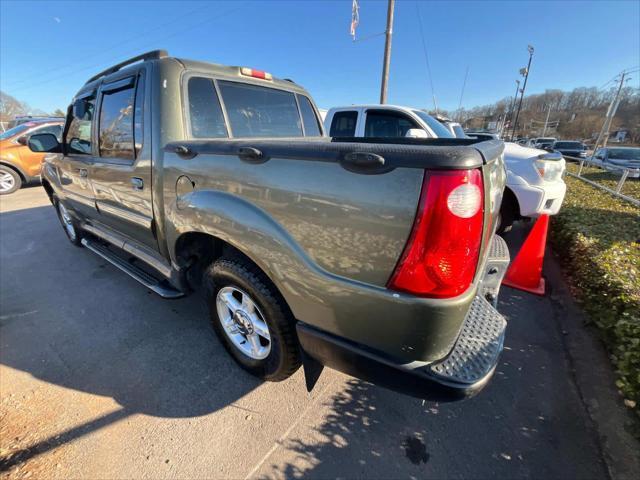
x=376, y=257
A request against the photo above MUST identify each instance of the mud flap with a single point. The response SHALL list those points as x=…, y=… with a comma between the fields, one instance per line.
x=312, y=370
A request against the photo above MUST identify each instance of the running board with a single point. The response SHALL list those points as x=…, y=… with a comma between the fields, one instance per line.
x=161, y=287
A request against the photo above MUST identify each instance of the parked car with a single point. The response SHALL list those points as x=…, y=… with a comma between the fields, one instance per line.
x=534, y=177
x=20, y=119
x=454, y=127
x=543, y=142
x=18, y=164
x=617, y=158
x=481, y=135
x=535, y=184
x=374, y=258
x=571, y=148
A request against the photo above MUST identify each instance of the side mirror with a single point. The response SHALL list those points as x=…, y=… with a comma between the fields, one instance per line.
x=22, y=140
x=44, y=143
x=416, y=133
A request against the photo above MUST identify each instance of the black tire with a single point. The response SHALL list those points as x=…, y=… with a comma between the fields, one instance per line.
x=284, y=357
x=76, y=237
x=13, y=183
x=508, y=213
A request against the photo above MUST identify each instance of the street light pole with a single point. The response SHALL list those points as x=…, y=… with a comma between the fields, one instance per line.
x=526, y=77
x=387, y=53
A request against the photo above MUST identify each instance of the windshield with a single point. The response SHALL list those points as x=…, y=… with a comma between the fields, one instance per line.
x=569, y=145
x=439, y=129
x=625, y=153
x=14, y=131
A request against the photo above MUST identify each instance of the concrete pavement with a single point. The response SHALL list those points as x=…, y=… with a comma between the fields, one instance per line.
x=100, y=378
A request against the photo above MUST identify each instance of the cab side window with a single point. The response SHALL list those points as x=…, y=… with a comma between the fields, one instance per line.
x=309, y=118
x=78, y=137
x=387, y=124
x=343, y=124
x=205, y=113
x=115, y=129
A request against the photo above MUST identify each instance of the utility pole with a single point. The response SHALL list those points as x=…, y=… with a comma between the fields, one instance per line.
x=524, y=87
x=546, y=121
x=603, y=136
x=387, y=52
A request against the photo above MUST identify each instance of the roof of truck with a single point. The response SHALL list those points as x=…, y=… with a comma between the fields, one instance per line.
x=376, y=105
x=234, y=71
x=194, y=65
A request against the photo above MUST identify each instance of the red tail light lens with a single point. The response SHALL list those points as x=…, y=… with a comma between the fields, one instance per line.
x=441, y=256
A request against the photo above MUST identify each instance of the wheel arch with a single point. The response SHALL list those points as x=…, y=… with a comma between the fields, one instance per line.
x=15, y=168
x=510, y=197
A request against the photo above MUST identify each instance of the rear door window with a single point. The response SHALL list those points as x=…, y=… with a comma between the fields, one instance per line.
x=205, y=114
x=255, y=111
x=343, y=124
x=309, y=118
x=115, y=129
x=387, y=124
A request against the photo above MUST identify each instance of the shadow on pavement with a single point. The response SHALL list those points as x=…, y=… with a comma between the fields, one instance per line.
x=528, y=423
x=90, y=328
x=70, y=319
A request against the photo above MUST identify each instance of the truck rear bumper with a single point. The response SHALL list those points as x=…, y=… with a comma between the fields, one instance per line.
x=461, y=374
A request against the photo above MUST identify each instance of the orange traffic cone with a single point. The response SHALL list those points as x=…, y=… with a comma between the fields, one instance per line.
x=525, y=272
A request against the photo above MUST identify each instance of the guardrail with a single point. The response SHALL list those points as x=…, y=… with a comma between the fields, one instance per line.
x=617, y=190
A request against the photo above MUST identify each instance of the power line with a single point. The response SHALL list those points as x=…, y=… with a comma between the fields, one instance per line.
x=426, y=57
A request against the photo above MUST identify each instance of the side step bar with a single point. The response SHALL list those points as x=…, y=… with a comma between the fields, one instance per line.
x=161, y=287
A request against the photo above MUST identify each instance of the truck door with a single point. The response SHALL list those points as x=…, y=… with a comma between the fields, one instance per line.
x=74, y=170
x=343, y=124
x=121, y=172
x=387, y=123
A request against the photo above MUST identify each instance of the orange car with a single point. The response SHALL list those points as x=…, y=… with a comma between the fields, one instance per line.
x=18, y=164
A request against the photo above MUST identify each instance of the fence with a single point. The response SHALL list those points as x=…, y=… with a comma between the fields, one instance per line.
x=621, y=182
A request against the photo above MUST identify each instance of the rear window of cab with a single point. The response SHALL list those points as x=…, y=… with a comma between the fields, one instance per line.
x=251, y=110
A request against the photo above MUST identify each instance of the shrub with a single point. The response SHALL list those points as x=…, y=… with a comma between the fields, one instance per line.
x=598, y=236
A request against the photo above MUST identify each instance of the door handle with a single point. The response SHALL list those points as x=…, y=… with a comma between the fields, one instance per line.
x=137, y=183
x=83, y=172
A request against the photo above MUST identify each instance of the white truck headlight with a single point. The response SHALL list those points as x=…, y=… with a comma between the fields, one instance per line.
x=550, y=166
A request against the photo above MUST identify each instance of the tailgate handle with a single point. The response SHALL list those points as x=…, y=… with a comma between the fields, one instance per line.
x=251, y=155
x=365, y=162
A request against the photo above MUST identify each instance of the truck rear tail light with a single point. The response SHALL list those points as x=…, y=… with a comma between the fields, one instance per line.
x=250, y=72
x=441, y=256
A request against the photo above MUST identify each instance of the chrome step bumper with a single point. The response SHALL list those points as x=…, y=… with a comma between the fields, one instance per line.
x=476, y=351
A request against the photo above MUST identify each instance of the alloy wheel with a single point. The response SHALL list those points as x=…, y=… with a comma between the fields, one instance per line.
x=243, y=322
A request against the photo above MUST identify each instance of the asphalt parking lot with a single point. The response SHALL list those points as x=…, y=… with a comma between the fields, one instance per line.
x=100, y=378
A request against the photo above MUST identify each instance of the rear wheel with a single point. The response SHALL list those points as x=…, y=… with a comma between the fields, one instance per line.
x=508, y=212
x=69, y=224
x=251, y=319
x=10, y=180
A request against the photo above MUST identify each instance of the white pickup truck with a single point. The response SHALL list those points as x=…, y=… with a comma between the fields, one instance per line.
x=534, y=177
